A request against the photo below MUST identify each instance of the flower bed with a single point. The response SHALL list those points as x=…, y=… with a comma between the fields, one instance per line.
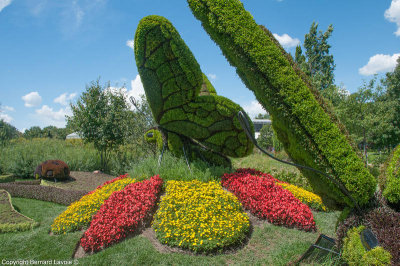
x=79, y=213
x=312, y=200
x=259, y=193
x=38, y=192
x=199, y=216
x=122, y=213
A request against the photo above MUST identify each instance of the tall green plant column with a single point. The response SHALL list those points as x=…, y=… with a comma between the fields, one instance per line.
x=182, y=99
x=309, y=134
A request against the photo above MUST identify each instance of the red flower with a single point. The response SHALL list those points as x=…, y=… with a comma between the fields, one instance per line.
x=258, y=193
x=123, y=212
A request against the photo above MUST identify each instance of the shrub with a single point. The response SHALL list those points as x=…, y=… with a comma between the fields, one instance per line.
x=259, y=193
x=122, y=213
x=199, y=216
x=383, y=222
x=354, y=252
x=6, y=178
x=21, y=157
x=310, y=133
x=10, y=219
x=391, y=185
x=173, y=168
x=51, y=194
x=80, y=213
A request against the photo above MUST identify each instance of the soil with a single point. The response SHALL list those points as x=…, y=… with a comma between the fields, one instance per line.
x=86, y=181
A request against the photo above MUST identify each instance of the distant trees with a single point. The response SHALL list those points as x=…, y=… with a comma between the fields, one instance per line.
x=46, y=132
x=7, y=132
x=372, y=114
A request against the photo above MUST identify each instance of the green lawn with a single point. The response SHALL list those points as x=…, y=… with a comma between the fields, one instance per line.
x=268, y=244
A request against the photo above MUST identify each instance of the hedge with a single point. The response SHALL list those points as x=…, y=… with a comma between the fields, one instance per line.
x=310, y=134
x=52, y=194
x=391, y=186
x=25, y=223
x=173, y=83
x=354, y=252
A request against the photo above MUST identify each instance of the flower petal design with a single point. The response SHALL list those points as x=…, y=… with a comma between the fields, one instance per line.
x=122, y=213
x=200, y=216
x=259, y=193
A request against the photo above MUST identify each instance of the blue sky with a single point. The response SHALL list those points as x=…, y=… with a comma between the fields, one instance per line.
x=51, y=49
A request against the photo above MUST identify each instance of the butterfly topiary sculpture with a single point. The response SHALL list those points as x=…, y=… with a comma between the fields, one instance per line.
x=192, y=119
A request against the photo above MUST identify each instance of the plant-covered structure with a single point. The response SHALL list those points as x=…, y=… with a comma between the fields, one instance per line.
x=390, y=184
x=190, y=115
x=310, y=134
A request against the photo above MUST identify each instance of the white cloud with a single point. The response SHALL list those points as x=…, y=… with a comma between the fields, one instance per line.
x=136, y=88
x=48, y=116
x=64, y=98
x=6, y=118
x=212, y=76
x=131, y=44
x=8, y=108
x=286, y=41
x=393, y=14
x=379, y=63
x=4, y=3
x=253, y=109
x=77, y=12
x=32, y=99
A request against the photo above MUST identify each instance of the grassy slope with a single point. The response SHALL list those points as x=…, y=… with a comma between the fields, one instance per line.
x=269, y=244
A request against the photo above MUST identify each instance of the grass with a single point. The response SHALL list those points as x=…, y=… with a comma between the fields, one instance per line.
x=269, y=244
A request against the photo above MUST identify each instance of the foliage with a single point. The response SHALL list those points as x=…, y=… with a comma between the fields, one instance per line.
x=122, y=213
x=172, y=80
x=99, y=115
x=354, y=252
x=268, y=139
x=80, y=213
x=200, y=216
x=21, y=157
x=310, y=133
x=51, y=194
x=309, y=198
x=10, y=219
x=260, y=194
x=317, y=63
x=7, y=132
x=391, y=186
x=173, y=168
x=383, y=222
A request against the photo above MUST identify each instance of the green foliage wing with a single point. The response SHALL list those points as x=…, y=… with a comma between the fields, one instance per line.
x=305, y=129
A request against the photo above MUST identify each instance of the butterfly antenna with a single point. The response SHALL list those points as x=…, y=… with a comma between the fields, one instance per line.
x=244, y=122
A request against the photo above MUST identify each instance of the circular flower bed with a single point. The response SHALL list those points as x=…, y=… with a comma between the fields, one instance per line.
x=199, y=216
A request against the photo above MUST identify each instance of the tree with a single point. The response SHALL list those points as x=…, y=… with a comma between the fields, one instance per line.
x=392, y=85
x=263, y=116
x=7, y=132
x=33, y=132
x=317, y=63
x=99, y=115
